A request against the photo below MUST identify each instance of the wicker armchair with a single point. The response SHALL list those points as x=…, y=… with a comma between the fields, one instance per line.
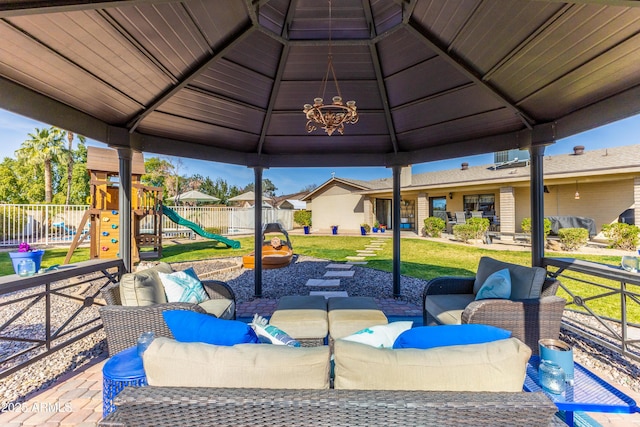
x=529, y=319
x=124, y=324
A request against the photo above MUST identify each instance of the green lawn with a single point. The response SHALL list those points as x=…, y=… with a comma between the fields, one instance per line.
x=420, y=258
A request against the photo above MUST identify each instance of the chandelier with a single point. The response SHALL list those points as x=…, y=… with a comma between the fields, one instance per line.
x=330, y=117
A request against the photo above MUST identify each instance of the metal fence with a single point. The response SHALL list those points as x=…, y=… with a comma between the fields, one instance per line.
x=58, y=224
x=42, y=314
x=605, y=301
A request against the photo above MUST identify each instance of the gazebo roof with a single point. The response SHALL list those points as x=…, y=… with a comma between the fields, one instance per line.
x=226, y=80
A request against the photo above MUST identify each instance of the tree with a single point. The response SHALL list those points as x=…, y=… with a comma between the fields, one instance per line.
x=268, y=188
x=309, y=188
x=70, y=161
x=44, y=146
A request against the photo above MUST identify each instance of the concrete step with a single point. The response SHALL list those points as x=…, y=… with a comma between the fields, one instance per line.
x=355, y=258
x=338, y=266
x=357, y=262
x=323, y=283
x=329, y=294
x=338, y=273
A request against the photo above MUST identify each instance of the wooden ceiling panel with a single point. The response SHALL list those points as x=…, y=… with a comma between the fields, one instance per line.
x=467, y=101
x=235, y=82
x=409, y=85
x=87, y=38
x=209, y=109
x=181, y=129
x=293, y=95
x=166, y=33
x=39, y=68
x=370, y=123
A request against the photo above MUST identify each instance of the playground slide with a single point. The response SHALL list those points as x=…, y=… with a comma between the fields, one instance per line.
x=173, y=216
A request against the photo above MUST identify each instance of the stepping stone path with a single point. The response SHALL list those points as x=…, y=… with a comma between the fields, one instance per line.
x=330, y=294
x=343, y=270
x=334, y=273
x=323, y=283
x=339, y=266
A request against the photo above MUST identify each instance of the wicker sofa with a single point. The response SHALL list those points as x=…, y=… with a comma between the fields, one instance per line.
x=532, y=313
x=478, y=384
x=135, y=305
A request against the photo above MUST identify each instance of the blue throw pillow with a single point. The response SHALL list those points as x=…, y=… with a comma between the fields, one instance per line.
x=497, y=285
x=425, y=337
x=189, y=326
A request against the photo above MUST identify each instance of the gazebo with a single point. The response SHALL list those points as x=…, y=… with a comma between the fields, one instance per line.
x=226, y=80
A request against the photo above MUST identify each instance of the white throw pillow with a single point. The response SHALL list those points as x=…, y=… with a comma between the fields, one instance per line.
x=272, y=334
x=381, y=336
x=181, y=287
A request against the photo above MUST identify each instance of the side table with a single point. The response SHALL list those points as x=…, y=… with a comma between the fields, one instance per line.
x=589, y=393
x=122, y=369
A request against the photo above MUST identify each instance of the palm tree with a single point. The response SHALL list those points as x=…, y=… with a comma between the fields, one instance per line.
x=70, y=160
x=43, y=147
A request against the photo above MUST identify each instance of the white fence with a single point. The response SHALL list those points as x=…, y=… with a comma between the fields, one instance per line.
x=58, y=224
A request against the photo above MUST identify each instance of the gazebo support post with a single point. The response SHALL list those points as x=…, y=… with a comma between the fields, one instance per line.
x=396, y=230
x=257, y=271
x=124, y=205
x=537, y=205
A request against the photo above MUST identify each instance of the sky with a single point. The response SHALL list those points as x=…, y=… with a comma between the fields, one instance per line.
x=14, y=130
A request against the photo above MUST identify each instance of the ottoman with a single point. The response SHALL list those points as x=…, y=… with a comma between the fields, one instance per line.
x=303, y=318
x=351, y=314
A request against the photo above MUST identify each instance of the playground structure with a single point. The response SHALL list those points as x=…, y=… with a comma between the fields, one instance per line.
x=103, y=215
x=275, y=252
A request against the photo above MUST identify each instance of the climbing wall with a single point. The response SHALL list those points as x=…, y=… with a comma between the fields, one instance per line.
x=109, y=234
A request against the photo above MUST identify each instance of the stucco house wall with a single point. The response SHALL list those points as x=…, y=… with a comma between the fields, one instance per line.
x=338, y=205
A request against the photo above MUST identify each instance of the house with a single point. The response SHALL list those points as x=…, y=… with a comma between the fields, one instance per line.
x=598, y=184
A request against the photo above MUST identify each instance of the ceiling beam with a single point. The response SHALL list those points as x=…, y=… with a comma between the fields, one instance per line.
x=38, y=7
x=623, y=3
x=377, y=68
x=277, y=81
x=617, y=107
x=204, y=64
x=26, y=102
x=460, y=65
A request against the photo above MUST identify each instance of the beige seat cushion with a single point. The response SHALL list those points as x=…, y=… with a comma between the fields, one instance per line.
x=351, y=314
x=494, y=366
x=302, y=317
x=144, y=287
x=447, y=309
x=220, y=307
x=177, y=364
x=347, y=322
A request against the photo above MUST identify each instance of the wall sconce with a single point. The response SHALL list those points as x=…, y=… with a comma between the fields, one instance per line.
x=451, y=195
x=577, y=196
x=546, y=189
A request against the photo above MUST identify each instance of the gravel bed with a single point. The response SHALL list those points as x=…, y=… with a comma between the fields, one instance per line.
x=290, y=280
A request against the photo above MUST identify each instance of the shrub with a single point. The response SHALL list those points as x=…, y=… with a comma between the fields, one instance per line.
x=464, y=232
x=434, y=226
x=526, y=226
x=479, y=225
x=366, y=227
x=621, y=235
x=572, y=239
x=302, y=217
x=213, y=230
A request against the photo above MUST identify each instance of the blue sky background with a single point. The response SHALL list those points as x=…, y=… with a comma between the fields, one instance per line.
x=14, y=130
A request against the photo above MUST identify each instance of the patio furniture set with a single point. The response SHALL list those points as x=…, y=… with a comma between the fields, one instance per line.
x=345, y=382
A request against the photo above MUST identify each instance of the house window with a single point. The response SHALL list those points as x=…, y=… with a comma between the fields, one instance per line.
x=480, y=202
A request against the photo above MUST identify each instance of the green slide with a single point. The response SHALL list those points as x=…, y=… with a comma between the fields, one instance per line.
x=173, y=216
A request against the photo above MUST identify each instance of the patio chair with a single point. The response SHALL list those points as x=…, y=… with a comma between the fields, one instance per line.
x=533, y=312
x=123, y=324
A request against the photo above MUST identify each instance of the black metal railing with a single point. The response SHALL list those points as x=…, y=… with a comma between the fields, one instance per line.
x=607, y=308
x=44, y=313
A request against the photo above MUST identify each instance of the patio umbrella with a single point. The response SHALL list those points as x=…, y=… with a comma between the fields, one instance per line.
x=194, y=196
x=249, y=196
